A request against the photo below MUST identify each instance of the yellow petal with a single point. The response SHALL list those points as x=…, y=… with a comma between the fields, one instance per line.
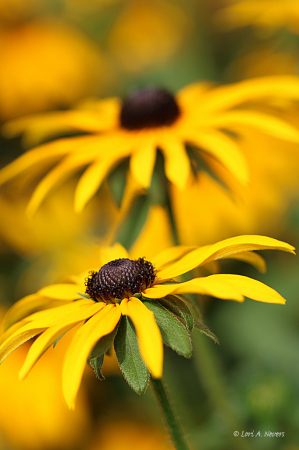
x=177, y=163
x=24, y=307
x=170, y=254
x=101, y=324
x=254, y=259
x=52, y=316
x=148, y=334
x=211, y=285
x=51, y=151
x=91, y=180
x=93, y=117
x=62, y=291
x=49, y=336
x=186, y=96
x=11, y=344
x=142, y=162
x=225, y=150
x=116, y=251
x=263, y=122
x=229, y=96
x=58, y=174
x=253, y=289
x=222, y=249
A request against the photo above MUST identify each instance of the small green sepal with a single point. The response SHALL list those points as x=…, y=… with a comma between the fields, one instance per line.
x=174, y=333
x=205, y=330
x=175, y=305
x=96, y=364
x=130, y=362
x=84, y=296
x=96, y=357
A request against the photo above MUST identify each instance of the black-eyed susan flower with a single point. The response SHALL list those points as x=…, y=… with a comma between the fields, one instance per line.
x=133, y=305
x=199, y=117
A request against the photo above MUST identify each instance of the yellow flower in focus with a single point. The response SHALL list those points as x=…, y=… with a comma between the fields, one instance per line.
x=147, y=33
x=33, y=415
x=202, y=117
x=268, y=15
x=44, y=65
x=98, y=303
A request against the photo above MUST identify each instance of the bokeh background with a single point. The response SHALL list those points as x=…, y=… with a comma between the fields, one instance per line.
x=55, y=53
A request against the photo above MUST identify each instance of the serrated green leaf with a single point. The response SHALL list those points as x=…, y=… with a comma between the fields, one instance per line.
x=117, y=181
x=96, y=364
x=130, y=227
x=96, y=356
x=173, y=332
x=175, y=305
x=204, y=329
x=130, y=362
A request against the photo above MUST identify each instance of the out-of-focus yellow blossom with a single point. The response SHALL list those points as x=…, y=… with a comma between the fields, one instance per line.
x=147, y=33
x=209, y=119
x=267, y=15
x=264, y=61
x=33, y=414
x=129, y=288
x=46, y=64
x=205, y=211
x=128, y=435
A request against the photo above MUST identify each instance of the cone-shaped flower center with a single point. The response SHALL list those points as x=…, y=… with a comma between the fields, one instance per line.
x=147, y=108
x=119, y=279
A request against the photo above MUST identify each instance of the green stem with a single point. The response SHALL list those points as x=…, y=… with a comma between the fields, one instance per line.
x=211, y=377
x=168, y=414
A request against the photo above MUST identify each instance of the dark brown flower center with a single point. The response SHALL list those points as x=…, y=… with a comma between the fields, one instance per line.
x=147, y=108
x=119, y=279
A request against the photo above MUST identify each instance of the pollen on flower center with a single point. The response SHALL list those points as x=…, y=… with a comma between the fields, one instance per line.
x=119, y=279
x=148, y=108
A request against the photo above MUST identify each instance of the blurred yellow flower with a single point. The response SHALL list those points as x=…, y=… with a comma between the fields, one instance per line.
x=199, y=116
x=264, y=61
x=46, y=64
x=128, y=434
x=260, y=209
x=33, y=415
x=268, y=15
x=96, y=304
x=148, y=33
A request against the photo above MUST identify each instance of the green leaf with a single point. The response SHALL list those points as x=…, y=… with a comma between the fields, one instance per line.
x=132, y=224
x=130, y=362
x=175, y=305
x=117, y=181
x=96, y=364
x=173, y=332
x=205, y=330
x=96, y=357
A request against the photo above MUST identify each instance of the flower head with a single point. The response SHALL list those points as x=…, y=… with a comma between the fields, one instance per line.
x=133, y=305
x=197, y=126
